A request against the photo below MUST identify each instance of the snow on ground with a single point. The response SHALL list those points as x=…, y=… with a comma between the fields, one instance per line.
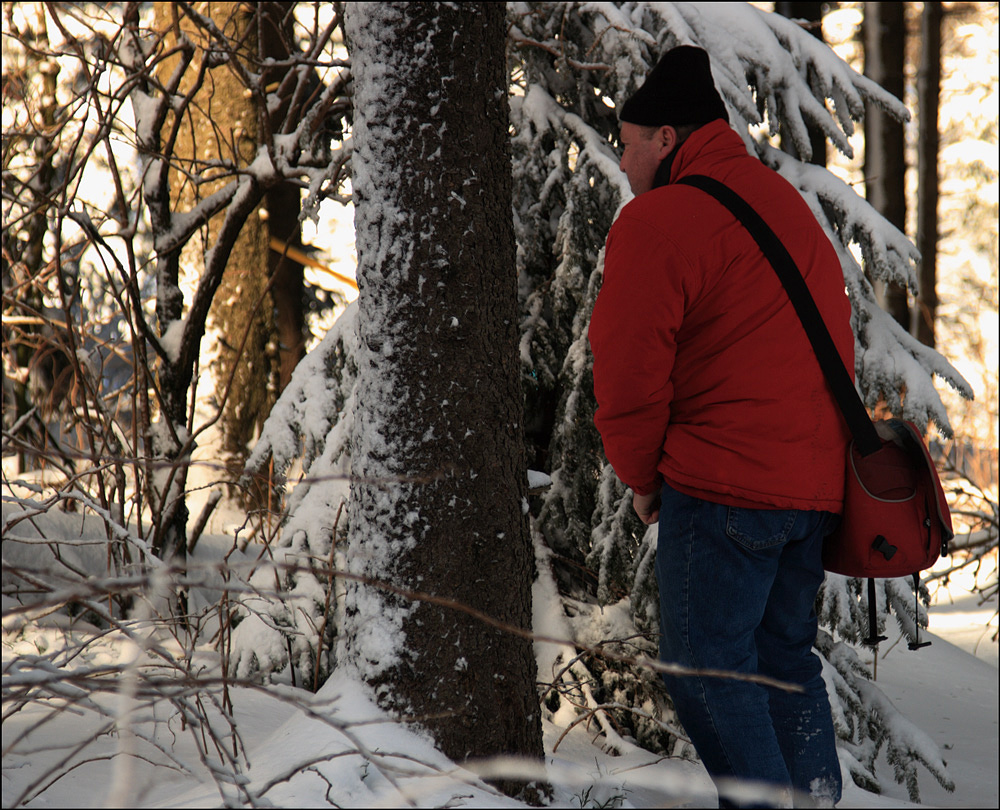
x=949, y=694
x=306, y=757
x=959, y=616
x=302, y=749
x=953, y=697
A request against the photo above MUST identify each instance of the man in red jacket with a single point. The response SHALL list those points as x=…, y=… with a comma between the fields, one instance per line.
x=713, y=408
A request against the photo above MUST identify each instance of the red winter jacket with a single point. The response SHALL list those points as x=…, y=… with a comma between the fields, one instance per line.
x=702, y=371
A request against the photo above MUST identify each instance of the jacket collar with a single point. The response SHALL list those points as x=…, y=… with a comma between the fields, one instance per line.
x=705, y=147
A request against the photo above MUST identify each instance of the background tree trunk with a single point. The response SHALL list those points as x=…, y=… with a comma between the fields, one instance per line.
x=928, y=93
x=287, y=280
x=29, y=256
x=259, y=287
x=438, y=497
x=885, y=158
x=220, y=134
x=812, y=13
x=283, y=205
x=242, y=313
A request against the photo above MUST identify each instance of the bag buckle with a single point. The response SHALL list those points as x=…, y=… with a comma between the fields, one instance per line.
x=884, y=547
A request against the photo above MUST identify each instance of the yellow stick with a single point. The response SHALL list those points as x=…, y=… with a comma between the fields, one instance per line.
x=294, y=253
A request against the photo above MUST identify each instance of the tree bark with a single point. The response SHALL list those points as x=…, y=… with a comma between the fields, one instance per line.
x=928, y=100
x=438, y=497
x=885, y=157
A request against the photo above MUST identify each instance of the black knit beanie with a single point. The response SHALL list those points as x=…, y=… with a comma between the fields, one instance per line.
x=678, y=91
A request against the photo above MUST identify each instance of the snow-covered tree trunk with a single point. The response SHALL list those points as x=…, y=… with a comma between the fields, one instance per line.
x=438, y=495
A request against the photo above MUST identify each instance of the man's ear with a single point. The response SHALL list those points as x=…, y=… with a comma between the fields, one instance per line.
x=668, y=140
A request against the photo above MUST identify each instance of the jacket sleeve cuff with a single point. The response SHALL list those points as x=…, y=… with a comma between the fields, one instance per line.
x=649, y=488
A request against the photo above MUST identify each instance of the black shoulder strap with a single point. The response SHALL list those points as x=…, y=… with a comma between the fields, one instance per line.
x=860, y=424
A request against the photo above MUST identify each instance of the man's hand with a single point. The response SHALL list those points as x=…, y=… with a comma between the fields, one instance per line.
x=647, y=507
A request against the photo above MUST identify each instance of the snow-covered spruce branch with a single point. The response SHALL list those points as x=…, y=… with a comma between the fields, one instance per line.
x=904, y=743
x=842, y=606
x=791, y=72
x=546, y=115
x=770, y=71
x=890, y=363
x=866, y=721
x=898, y=367
x=887, y=253
x=803, y=72
x=311, y=423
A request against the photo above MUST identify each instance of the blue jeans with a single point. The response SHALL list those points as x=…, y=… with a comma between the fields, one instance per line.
x=737, y=593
